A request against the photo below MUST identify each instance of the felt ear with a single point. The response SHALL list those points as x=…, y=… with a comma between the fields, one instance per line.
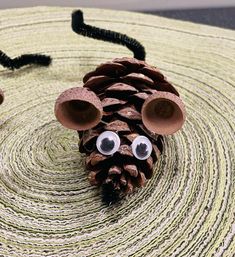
x=1, y=97
x=78, y=108
x=163, y=113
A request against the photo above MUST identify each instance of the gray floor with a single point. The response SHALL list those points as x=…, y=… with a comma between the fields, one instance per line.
x=138, y=5
x=220, y=17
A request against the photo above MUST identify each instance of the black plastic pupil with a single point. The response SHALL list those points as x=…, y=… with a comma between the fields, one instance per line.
x=142, y=150
x=107, y=144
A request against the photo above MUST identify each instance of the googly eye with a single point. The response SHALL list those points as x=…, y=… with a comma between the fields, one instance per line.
x=141, y=147
x=108, y=143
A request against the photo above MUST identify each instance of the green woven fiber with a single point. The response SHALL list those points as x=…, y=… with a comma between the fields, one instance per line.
x=48, y=208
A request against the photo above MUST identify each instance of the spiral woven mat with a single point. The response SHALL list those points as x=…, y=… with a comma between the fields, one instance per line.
x=48, y=208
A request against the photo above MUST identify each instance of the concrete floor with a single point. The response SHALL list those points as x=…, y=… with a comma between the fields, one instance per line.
x=138, y=5
x=220, y=17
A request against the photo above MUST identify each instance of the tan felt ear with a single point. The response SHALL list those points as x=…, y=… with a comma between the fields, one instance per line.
x=78, y=108
x=163, y=113
x=1, y=96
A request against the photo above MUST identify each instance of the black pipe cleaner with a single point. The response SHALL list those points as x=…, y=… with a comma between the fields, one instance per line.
x=23, y=60
x=81, y=28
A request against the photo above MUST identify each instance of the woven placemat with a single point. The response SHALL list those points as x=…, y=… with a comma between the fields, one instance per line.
x=48, y=208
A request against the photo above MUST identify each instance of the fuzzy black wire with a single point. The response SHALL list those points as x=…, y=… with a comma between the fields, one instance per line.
x=109, y=194
x=81, y=28
x=25, y=59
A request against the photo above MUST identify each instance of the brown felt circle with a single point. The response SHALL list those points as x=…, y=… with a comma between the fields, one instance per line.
x=79, y=115
x=163, y=113
x=78, y=109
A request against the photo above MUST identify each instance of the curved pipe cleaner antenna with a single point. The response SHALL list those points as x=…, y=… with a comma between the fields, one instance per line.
x=23, y=60
x=81, y=28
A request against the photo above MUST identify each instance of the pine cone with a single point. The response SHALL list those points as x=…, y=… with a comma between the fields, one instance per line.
x=124, y=86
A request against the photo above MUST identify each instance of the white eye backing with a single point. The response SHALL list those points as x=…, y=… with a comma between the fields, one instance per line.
x=141, y=147
x=108, y=143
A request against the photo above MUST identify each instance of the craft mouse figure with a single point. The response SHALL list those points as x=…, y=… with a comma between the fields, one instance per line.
x=121, y=113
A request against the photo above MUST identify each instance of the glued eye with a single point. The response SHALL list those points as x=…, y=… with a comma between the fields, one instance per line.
x=141, y=147
x=108, y=143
